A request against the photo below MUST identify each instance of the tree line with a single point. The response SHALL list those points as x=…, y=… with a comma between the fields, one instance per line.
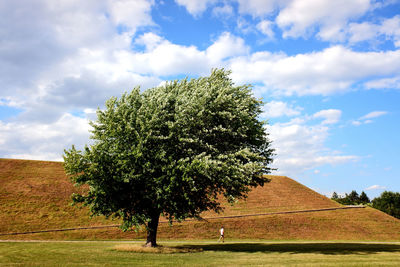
x=388, y=202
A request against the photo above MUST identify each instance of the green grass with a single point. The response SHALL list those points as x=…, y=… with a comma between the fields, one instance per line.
x=99, y=253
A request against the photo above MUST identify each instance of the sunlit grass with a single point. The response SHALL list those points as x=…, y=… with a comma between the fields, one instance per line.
x=199, y=254
x=159, y=249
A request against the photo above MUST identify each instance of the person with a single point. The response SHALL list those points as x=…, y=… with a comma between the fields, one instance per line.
x=221, y=231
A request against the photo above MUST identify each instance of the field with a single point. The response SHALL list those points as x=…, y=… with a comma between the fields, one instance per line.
x=96, y=253
x=35, y=195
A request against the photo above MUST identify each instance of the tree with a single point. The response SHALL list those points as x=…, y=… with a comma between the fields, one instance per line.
x=353, y=197
x=364, y=199
x=172, y=150
x=388, y=202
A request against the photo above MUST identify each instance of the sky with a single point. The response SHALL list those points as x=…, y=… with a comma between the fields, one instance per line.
x=328, y=71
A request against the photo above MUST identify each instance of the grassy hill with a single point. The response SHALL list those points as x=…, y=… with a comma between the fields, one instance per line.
x=35, y=195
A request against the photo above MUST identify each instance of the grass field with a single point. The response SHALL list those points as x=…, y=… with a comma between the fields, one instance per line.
x=98, y=253
x=36, y=195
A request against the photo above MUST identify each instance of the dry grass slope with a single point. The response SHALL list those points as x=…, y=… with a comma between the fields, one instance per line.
x=35, y=195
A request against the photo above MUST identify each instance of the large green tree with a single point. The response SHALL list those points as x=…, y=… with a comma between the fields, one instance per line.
x=172, y=150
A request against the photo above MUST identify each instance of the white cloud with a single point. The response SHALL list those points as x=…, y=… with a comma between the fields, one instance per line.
x=165, y=58
x=226, y=46
x=195, y=7
x=259, y=8
x=329, y=71
x=373, y=114
x=42, y=140
x=389, y=28
x=300, y=147
x=275, y=109
x=131, y=13
x=385, y=83
x=375, y=187
x=245, y=26
x=149, y=40
x=333, y=21
x=71, y=56
x=57, y=58
x=362, y=32
x=330, y=116
x=300, y=143
x=87, y=71
x=223, y=11
x=265, y=27
x=366, y=119
x=304, y=18
x=301, y=17
x=91, y=74
x=46, y=46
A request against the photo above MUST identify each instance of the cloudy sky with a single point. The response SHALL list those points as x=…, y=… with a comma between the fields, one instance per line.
x=329, y=72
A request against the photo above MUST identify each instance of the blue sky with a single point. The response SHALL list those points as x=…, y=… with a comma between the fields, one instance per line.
x=329, y=72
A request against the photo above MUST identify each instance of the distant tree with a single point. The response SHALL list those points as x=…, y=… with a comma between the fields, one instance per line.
x=343, y=200
x=172, y=150
x=364, y=199
x=353, y=198
x=388, y=202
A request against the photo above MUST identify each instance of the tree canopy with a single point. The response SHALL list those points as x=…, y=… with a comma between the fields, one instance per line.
x=172, y=150
x=388, y=202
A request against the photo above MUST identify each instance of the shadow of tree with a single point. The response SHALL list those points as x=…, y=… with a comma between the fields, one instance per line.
x=296, y=248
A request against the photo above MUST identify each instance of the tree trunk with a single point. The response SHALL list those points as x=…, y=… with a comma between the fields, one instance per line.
x=152, y=226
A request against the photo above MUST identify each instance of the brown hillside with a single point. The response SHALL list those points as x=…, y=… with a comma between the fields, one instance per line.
x=280, y=194
x=35, y=195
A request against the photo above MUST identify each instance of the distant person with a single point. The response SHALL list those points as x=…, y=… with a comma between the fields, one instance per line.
x=221, y=231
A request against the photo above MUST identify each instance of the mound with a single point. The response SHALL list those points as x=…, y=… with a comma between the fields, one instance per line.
x=35, y=195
